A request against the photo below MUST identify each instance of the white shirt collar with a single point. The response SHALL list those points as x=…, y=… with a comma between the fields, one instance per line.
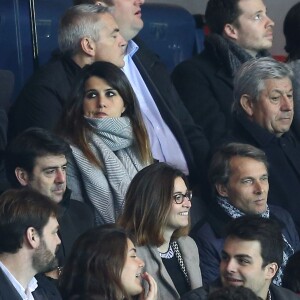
x=26, y=294
x=132, y=47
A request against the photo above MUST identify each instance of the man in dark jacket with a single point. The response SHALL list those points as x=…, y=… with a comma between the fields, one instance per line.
x=239, y=175
x=37, y=159
x=87, y=33
x=28, y=243
x=263, y=113
x=174, y=137
x=251, y=256
x=240, y=30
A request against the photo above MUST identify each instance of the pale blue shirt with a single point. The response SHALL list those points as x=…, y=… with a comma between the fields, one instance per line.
x=26, y=294
x=164, y=145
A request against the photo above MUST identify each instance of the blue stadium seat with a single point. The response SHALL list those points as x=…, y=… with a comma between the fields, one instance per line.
x=170, y=31
x=15, y=40
x=48, y=14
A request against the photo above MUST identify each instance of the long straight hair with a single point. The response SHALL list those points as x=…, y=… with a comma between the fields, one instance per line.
x=148, y=202
x=74, y=127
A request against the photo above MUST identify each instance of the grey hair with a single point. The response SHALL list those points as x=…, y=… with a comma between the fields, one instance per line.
x=220, y=171
x=250, y=78
x=77, y=22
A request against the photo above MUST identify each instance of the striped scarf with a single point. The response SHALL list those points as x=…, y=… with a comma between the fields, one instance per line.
x=112, y=142
x=288, y=250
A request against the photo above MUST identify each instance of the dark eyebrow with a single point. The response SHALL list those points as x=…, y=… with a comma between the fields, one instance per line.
x=223, y=252
x=132, y=249
x=116, y=30
x=54, y=167
x=243, y=256
x=178, y=192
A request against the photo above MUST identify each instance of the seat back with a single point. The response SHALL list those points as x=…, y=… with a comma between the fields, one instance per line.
x=7, y=81
x=48, y=14
x=169, y=31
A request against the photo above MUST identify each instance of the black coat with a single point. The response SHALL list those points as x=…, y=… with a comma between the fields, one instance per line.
x=190, y=136
x=75, y=218
x=206, y=89
x=44, y=96
x=283, y=155
x=205, y=84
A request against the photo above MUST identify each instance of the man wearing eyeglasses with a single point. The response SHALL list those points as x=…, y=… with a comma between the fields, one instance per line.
x=239, y=176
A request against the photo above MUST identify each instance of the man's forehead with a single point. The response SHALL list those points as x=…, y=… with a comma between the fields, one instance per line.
x=50, y=159
x=235, y=246
x=107, y=22
x=250, y=6
x=284, y=83
x=238, y=163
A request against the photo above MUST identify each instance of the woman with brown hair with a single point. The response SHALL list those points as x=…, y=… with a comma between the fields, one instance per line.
x=109, y=141
x=103, y=265
x=156, y=212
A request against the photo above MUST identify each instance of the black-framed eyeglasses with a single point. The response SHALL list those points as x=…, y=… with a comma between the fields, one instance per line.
x=179, y=197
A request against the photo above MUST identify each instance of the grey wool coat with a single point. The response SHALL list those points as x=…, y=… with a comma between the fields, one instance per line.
x=155, y=267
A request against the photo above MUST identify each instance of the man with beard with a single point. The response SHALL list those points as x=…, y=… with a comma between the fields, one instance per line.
x=37, y=159
x=28, y=243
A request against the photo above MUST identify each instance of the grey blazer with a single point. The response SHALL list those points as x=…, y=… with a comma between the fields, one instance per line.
x=155, y=267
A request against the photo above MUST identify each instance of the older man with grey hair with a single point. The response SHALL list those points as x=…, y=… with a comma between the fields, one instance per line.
x=87, y=33
x=263, y=112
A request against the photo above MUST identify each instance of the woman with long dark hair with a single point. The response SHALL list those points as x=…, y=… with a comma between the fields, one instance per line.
x=156, y=212
x=109, y=141
x=103, y=265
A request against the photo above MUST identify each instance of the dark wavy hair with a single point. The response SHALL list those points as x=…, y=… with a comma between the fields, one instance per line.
x=148, y=202
x=74, y=127
x=94, y=267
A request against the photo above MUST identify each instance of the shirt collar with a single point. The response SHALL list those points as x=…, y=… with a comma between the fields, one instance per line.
x=32, y=285
x=132, y=48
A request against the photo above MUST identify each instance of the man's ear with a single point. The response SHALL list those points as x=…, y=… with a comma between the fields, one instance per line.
x=88, y=46
x=271, y=270
x=230, y=32
x=22, y=176
x=247, y=104
x=32, y=238
x=221, y=189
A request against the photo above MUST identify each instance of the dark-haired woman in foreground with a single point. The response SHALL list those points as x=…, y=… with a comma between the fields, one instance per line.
x=108, y=138
x=103, y=265
x=156, y=212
